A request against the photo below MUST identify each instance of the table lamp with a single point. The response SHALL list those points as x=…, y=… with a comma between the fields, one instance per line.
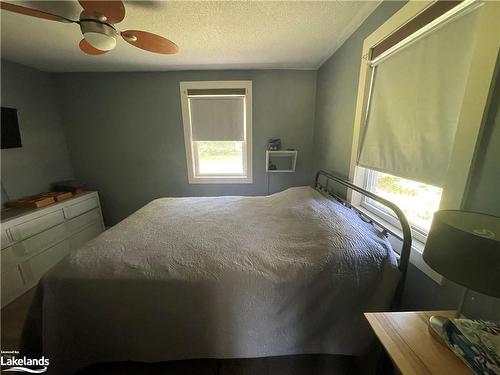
x=464, y=247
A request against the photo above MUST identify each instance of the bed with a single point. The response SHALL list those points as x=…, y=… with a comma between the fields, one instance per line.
x=219, y=277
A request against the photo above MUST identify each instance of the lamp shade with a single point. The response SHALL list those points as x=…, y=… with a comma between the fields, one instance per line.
x=464, y=247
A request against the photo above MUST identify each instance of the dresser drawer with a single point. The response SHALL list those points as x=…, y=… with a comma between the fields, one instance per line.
x=40, y=241
x=38, y=225
x=4, y=239
x=79, y=222
x=80, y=207
x=12, y=284
x=9, y=259
x=37, y=266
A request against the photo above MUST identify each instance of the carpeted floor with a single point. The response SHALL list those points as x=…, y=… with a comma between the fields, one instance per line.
x=14, y=315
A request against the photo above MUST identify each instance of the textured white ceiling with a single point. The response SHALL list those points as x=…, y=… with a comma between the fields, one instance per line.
x=210, y=35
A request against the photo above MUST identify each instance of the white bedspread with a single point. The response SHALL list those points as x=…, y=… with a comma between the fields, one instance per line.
x=218, y=277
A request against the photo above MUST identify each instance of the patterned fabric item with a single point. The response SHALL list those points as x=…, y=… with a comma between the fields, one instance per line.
x=476, y=342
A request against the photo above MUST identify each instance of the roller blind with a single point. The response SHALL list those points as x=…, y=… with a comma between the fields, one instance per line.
x=217, y=118
x=415, y=103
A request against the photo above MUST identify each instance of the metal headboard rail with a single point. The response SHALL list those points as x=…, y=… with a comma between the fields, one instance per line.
x=404, y=257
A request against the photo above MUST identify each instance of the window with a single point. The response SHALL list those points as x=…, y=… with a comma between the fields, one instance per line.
x=417, y=200
x=401, y=34
x=219, y=157
x=217, y=118
x=448, y=163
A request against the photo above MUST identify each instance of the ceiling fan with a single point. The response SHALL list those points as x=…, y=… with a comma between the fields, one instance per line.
x=97, y=23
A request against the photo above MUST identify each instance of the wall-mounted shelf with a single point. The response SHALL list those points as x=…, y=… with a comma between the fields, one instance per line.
x=284, y=160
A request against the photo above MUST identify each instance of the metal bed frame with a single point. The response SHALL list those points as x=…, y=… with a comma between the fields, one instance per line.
x=404, y=257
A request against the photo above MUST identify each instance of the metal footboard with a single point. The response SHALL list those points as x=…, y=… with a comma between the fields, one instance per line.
x=404, y=257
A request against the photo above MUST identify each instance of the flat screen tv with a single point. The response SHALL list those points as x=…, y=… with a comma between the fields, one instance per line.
x=11, y=137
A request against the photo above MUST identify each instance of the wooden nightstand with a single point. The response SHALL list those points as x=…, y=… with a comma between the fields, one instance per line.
x=411, y=347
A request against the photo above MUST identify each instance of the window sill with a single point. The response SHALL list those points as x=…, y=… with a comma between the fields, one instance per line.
x=417, y=247
x=220, y=180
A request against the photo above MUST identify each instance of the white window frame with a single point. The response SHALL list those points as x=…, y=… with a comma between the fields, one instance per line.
x=191, y=147
x=471, y=120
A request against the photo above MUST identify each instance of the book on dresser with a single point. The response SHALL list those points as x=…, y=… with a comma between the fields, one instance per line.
x=34, y=240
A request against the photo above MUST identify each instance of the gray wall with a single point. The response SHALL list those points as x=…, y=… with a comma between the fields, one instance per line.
x=44, y=157
x=337, y=86
x=126, y=139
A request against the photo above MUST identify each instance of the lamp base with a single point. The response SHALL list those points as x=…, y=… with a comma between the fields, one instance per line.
x=436, y=328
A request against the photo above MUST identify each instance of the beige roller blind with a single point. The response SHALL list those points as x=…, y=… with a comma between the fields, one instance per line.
x=415, y=103
x=217, y=118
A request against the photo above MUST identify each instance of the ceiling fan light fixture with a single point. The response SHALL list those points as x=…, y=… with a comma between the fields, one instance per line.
x=99, y=35
x=100, y=41
x=97, y=20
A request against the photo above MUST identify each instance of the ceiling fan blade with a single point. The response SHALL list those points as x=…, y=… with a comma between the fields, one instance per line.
x=33, y=12
x=89, y=49
x=150, y=42
x=114, y=10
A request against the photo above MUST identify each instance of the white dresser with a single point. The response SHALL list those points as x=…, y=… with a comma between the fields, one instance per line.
x=34, y=240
